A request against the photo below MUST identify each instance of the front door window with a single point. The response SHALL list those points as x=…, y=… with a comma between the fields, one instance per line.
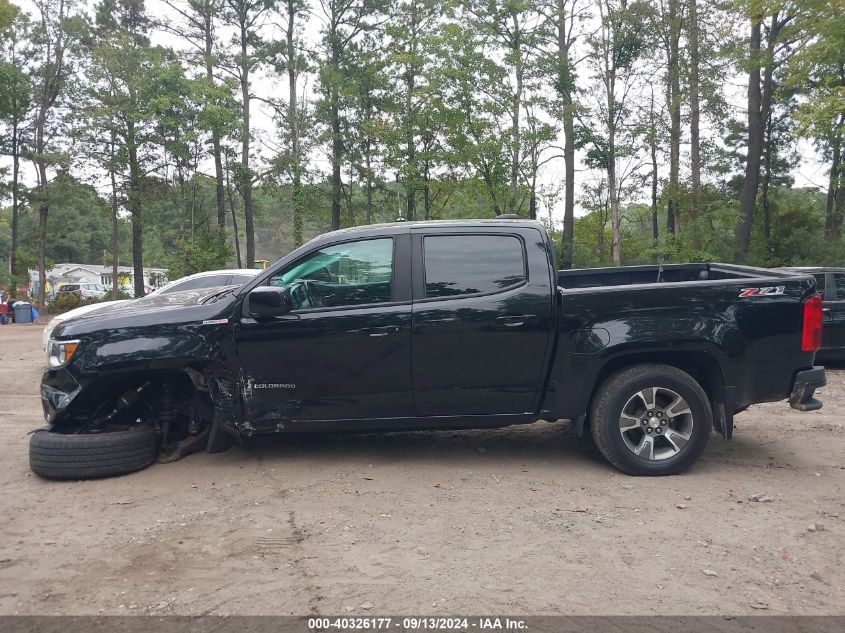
x=341, y=275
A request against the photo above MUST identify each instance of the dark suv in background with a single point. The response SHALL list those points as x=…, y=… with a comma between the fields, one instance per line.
x=830, y=283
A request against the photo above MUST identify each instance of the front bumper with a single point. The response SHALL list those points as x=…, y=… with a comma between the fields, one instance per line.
x=805, y=383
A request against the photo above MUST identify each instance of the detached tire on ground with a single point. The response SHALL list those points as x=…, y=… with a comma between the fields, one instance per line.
x=89, y=456
x=651, y=419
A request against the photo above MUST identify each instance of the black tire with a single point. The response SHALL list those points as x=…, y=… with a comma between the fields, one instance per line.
x=610, y=400
x=89, y=456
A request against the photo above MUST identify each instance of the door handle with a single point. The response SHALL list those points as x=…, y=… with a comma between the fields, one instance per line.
x=514, y=320
x=379, y=331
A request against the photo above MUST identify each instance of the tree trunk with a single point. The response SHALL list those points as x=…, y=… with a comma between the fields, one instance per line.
x=759, y=110
x=234, y=218
x=135, y=212
x=337, y=143
x=655, y=230
x=835, y=207
x=427, y=191
x=297, y=194
x=350, y=211
x=748, y=198
x=835, y=185
x=565, y=89
x=369, y=185
x=516, y=109
x=839, y=206
x=114, y=220
x=674, y=105
x=410, y=147
x=43, y=202
x=43, y=211
x=246, y=175
x=219, y=187
x=695, y=123
x=616, y=243
x=612, y=185
x=770, y=151
x=13, y=247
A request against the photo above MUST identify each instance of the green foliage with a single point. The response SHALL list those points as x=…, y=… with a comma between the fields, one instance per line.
x=816, y=68
x=430, y=107
x=203, y=251
x=65, y=301
x=79, y=230
x=797, y=232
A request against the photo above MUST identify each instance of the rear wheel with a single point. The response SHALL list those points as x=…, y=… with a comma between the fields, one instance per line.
x=651, y=419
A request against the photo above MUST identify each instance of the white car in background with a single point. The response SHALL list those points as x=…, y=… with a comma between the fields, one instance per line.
x=207, y=279
x=85, y=290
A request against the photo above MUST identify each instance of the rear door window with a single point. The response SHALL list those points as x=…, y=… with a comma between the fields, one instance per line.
x=458, y=265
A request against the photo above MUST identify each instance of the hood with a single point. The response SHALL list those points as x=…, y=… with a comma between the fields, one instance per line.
x=171, y=309
x=86, y=309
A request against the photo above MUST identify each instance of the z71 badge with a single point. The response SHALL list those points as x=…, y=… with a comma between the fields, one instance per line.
x=769, y=291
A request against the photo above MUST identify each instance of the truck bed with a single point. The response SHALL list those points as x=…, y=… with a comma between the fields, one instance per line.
x=665, y=273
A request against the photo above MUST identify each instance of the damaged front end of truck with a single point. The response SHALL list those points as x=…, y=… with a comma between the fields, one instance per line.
x=161, y=363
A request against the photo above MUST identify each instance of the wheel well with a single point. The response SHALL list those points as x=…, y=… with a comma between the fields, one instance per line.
x=701, y=366
x=181, y=389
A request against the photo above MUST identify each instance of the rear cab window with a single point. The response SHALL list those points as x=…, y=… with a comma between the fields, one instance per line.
x=839, y=281
x=460, y=265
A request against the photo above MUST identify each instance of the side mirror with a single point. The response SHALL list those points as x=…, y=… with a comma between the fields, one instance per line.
x=266, y=302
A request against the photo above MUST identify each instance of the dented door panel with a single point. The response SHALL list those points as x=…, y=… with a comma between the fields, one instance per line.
x=326, y=365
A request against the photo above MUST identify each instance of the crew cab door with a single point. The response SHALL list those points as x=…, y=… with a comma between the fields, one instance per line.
x=482, y=320
x=344, y=350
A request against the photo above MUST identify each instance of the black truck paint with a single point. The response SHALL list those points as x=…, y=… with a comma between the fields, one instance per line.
x=532, y=344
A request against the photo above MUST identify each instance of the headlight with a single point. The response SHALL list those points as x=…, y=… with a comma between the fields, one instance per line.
x=61, y=352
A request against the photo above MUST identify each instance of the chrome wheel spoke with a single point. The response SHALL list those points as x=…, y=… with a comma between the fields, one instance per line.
x=628, y=423
x=645, y=448
x=676, y=439
x=678, y=407
x=648, y=396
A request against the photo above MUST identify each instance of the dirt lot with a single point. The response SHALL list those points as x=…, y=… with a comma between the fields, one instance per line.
x=517, y=520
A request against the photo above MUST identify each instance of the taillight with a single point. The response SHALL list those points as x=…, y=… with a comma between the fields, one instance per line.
x=811, y=334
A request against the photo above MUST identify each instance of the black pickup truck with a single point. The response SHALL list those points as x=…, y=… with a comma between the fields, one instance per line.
x=432, y=325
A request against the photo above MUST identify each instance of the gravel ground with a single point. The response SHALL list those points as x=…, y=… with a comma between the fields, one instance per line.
x=517, y=520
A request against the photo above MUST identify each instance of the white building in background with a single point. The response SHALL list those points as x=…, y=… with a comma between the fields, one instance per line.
x=61, y=274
